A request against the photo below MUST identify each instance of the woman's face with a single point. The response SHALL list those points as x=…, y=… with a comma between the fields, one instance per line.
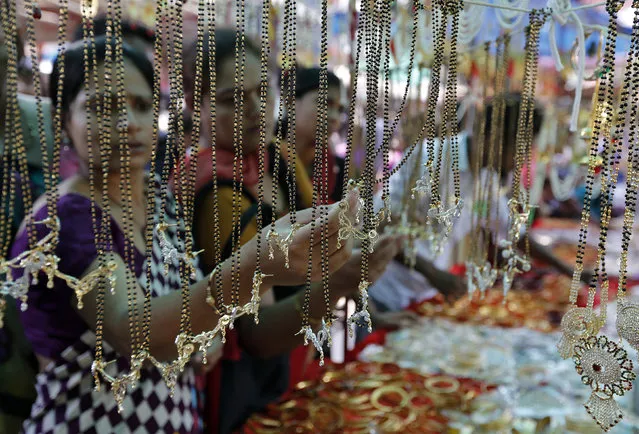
x=225, y=106
x=139, y=105
x=306, y=121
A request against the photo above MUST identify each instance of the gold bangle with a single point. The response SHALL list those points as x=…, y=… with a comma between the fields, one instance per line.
x=386, y=390
x=210, y=300
x=434, y=384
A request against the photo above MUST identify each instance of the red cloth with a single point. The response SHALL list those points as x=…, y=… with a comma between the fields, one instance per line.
x=378, y=337
x=232, y=351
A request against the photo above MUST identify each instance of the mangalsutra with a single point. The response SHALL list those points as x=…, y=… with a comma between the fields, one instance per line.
x=603, y=364
x=274, y=239
x=15, y=163
x=320, y=197
x=519, y=205
x=253, y=306
x=476, y=278
x=587, y=323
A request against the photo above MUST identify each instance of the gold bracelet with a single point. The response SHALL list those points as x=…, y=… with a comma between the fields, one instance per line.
x=210, y=300
x=442, y=384
x=388, y=390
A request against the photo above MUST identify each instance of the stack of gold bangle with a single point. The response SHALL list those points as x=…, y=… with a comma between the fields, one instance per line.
x=359, y=397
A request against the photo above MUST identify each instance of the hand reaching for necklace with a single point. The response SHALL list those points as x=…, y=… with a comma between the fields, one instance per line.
x=299, y=250
x=347, y=278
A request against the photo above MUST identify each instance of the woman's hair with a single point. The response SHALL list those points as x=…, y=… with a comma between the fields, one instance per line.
x=308, y=80
x=225, y=40
x=74, y=74
x=129, y=29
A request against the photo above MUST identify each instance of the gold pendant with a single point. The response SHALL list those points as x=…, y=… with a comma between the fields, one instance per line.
x=253, y=306
x=577, y=324
x=363, y=313
x=628, y=323
x=83, y=286
x=318, y=340
x=283, y=243
x=606, y=368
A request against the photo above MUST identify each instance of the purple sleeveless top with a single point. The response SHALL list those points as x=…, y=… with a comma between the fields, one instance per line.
x=66, y=400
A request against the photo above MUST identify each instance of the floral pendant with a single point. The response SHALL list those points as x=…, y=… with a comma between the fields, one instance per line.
x=606, y=368
x=577, y=324
x=628, y=323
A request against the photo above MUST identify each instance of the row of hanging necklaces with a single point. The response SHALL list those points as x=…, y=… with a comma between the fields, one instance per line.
x=443, y=211
x=40, y=256
x=601, y=362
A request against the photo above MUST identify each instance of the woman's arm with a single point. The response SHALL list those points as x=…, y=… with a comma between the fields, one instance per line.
x=166, y=310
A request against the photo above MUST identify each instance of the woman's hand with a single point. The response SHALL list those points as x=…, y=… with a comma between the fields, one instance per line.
x=347, y=278
x=305, y=249
x=449, y=285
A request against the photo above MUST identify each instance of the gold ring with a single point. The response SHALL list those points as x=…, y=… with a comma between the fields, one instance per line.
x=434, y=384
x=386, y=390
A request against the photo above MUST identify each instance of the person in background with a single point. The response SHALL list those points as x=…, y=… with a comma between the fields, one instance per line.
x=142, y=39
x=401, y=286
x=136, y=35
x=254, y=370
x=18, y=366
x=307, y=89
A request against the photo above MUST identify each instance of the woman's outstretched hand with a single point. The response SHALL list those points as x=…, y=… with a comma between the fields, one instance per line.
x=305, y=249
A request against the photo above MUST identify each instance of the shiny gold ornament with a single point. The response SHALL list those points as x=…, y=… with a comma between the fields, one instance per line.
x=605, y=367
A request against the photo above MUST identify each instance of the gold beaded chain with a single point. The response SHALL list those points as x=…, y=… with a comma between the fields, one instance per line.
x=240, y=61
x=91, y=79
x=286, y=108
x=426, y=184
x=453, y=8
x=215, y=277
x=11, y=145
x=519, y=206
x=291, y=77
x=40, y=257
x=152, y=192
x=578, y=322
x=16, y=164
x=351, y=107
x=479, y=214
x=385, y=35
x=322, y=142
x=627, y=311
x=374, y=38
x=320, y=198
x=11, y=86
x=618, y=377
x=606, y=75
x=265, y=49
x=388, y=132
x=497, y=143
x=632, y=80
x=14, y=146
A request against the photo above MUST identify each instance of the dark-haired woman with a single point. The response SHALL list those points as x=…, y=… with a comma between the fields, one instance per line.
x=254, y=371
x=63, y=335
